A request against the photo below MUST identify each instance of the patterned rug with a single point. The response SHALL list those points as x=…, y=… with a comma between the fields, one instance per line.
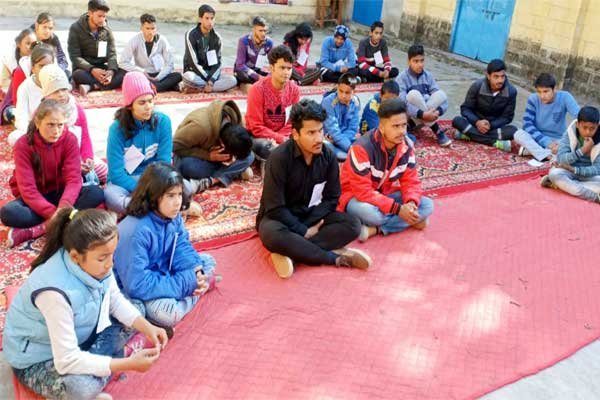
x=229, y=213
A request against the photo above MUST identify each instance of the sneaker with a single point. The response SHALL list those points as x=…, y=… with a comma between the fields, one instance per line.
x=283, y=265
x=359, y=80
x=200, y=185
x=353, y=258
x=442, y=139
x=366, y=232
x=16, y=236
x=523, y=152
x=458, y=135
x=247, y=174
x=138, y=342
x=503, y=145
x=103, y=396
x=545, y=182
x=84, y=89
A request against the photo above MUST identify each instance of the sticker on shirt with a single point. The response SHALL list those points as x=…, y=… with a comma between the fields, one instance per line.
x=262, y=61
x=378, y=58
x=211, y=58
x=102, y=47
x=133, y=158
x=302, y=57
x=104, y=319
x=317, y=194
x=157, y=62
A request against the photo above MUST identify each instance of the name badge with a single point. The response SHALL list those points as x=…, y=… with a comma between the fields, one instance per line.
x=102, y=47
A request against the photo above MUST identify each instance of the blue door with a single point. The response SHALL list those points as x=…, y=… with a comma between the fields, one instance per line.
x=366, y=12
x=481, y=28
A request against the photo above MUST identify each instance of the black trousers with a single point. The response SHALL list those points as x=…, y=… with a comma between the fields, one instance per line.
x=310, y=75
x=507, y=132
x=244, y=77
x=338, y=230
x=367, y=76
x=169, y=82
x=83, y=77
x=328, y=75
x=17, y=214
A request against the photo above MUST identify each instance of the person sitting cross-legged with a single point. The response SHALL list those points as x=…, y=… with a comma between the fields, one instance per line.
x=380, y=183
x=544, y=119
x=577, y=169
x=337, y=55
x=374, y=62
x=297, y=221
x=252, y=53
x=488, y=110
x=212, y=146
x=342, y=123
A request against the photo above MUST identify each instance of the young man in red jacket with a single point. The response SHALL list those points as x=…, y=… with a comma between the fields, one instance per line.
x=269, y=102
x=379, y=179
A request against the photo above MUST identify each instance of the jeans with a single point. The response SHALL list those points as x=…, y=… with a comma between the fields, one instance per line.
x=44, y=379
x=196, y=168
x=328, y=75
x=309, y=77
x=506, y=132
x=338, y=230
x=225, y=82
x=18, y=214
x=169, y=82
x=415, y=98
x=340, y=154
x=367, y=76
x=388, y=223
x=245, y=77
x=168, y=312
x=83, y=77
x=538, y=152
x=587, y=188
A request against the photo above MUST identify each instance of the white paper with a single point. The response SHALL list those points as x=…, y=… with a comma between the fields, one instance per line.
x=157, y=61
x=104, y=319
x=535, y=163
x=262, y=61
x=341, y=63
x=302, y=57
x=102, y=46
x=317, y=194
x=378, y=58
x=211, y=57
x=288, y=110
x=133, y=158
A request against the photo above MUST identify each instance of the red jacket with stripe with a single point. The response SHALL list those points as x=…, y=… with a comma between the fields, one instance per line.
x=368, y=176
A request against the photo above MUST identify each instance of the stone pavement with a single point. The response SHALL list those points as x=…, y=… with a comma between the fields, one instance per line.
x=574, y=378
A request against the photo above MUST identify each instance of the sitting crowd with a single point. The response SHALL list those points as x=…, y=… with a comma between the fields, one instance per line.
x=333, y=173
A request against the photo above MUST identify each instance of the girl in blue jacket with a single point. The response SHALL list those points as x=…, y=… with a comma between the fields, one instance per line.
x=155, y=262
x=59, y=336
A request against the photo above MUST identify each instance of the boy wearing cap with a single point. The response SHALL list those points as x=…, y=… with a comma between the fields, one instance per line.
x=252, y=53
x=202, y=59
x=92, y=51
x=337, y=56
x=150, y=53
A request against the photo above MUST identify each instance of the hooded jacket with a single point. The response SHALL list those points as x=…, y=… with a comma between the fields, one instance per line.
x=199, y=131
x=83, y=46
x=60, y=169
x=342, y=121
x=569, y=152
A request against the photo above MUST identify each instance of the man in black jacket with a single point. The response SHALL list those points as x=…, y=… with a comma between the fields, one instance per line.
x=202, y=58
x=91, y=48
x=488, y=110
x=297, y=220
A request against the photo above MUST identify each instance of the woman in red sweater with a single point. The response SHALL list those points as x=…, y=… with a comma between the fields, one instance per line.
x=47, y=175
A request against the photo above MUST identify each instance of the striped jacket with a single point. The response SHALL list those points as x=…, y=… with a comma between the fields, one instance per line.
x=195, y=58
x=369, y=177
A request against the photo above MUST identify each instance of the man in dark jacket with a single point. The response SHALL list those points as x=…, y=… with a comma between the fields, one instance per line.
x=202, y=58
x=488, y=110
x=297, y=220
x=91, y=48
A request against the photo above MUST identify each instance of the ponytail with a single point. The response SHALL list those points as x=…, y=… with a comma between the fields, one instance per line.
x=76, y=230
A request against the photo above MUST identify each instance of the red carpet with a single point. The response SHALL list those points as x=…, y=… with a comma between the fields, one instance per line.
x=486, y=295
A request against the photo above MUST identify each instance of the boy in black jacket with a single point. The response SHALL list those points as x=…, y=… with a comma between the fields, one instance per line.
x=488, y=110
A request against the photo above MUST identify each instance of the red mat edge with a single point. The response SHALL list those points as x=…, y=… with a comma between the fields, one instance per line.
x=466, y=187
x=217, y=243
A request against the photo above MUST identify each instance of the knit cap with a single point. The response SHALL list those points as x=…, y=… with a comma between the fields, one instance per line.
x=341, y=30
x=135, y=84
x=53, y=78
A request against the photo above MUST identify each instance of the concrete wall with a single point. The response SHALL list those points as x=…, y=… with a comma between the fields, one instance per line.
x=428, y=22
x=180, y=11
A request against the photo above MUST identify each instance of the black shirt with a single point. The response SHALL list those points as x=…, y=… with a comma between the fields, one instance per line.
x=289, y=183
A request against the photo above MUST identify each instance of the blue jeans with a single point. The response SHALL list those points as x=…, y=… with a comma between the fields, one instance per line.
x=44, y=379
x=195, y=168
x=388, y=223
x=167, y=311
x=587, y=188
x=340, y=153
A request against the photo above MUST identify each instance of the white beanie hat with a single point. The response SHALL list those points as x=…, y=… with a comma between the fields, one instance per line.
x=53, y=78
